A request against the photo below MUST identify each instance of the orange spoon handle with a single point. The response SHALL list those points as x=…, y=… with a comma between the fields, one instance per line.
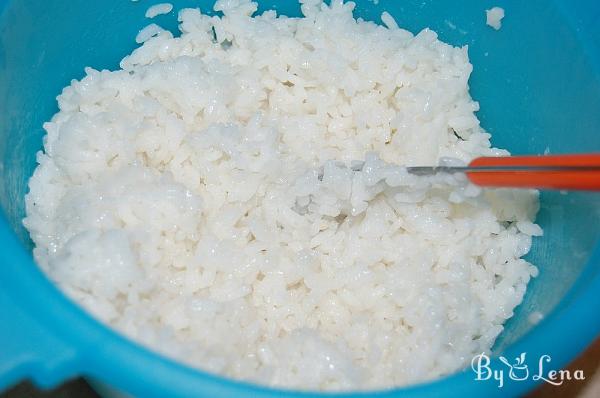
x=569, y=172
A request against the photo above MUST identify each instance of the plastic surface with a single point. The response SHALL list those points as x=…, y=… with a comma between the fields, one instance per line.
x=573, y=172
x=538, y=82
x=29, y=349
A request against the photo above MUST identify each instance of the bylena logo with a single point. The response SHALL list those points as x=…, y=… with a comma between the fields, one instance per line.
x=518, y=370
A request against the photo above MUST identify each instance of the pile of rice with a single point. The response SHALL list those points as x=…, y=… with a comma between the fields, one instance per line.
x=206, y=201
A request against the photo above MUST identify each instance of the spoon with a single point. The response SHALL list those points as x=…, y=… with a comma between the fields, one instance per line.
x=565, y=172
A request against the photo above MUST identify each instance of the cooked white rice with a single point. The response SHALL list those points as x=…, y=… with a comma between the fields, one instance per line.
x=148, y=32
x=494, y=17
x=202, y=201
x=159, y=9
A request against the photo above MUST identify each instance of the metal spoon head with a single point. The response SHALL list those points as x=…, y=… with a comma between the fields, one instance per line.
x=429, y=170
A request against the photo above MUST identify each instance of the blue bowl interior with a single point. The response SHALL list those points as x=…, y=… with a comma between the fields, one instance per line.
x=537, y=80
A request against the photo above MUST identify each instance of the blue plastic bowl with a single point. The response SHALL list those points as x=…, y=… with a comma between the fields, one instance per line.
x=538, y=82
